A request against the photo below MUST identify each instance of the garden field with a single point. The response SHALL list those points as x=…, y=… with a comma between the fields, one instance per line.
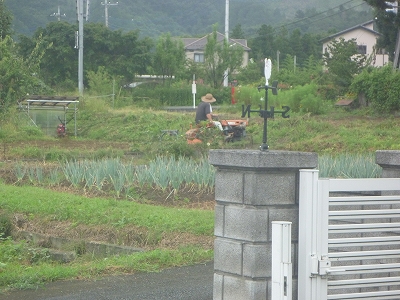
x=119, y=183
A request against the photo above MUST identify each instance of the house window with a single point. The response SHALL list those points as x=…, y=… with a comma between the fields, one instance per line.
x=199, y=57
x=362, y=49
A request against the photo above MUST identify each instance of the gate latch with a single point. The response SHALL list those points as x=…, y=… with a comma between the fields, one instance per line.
x=324, y=265
x=320, y=266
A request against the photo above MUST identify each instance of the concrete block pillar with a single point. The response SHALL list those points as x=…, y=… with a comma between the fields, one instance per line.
x=389, y=160
x=252, y=189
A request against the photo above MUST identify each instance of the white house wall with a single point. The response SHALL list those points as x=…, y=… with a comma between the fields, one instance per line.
x=363, y=37
x=190, y=56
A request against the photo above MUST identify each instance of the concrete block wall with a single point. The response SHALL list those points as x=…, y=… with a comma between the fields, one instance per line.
x=252, y=189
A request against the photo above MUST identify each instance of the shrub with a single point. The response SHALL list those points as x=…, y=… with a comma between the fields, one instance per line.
x=248, y=95
x=32, y=131
x=380, y=86
x=5, y=226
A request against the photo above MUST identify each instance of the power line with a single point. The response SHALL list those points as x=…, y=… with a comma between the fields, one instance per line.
x=323, y=12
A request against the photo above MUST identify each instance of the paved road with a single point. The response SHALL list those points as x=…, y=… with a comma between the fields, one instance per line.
x=184, y=283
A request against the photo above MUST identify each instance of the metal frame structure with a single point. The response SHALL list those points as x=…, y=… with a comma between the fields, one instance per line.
x=38, y=102
x=349, y=238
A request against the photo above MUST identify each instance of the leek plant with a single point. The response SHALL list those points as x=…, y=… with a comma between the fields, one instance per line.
x=54, y=176
x=39, y=174
x=349, y=166
x=20, y=171
x=174, y=174
x=31, y=174
x=73, y=172
x=118, y=181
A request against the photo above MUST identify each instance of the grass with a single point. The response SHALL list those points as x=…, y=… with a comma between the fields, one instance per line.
x=138, y=131
x=21, y=266
x=58, y=206
x=19, y=271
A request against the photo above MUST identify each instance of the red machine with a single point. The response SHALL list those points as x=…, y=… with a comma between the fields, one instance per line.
x=232, y=130
x=61, y=129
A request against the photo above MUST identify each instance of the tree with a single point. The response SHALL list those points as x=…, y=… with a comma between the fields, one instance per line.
x=343, y=61
x=264, y=44
x=388, y=25
x=5, y=21
x=18, y=76
x=219, y=56
x=169, y=57
x=237, y=32
x=252, y=73
x=122, y=54
x=60, y=62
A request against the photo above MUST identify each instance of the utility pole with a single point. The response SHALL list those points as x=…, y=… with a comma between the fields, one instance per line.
x=106, y=5
x=277, y=58
x=394, y=9
x=79, y=45
x=226, y=37
x=397, y=51
x=87, y=10
x=58, y=14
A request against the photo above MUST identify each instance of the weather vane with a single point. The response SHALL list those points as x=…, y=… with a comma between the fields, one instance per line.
x=265, y=113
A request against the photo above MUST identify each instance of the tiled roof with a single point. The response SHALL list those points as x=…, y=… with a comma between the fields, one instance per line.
x=360, y=26
x=193, y=44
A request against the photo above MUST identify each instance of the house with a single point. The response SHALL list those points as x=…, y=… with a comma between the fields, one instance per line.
x=194, y=47
x=366, y=38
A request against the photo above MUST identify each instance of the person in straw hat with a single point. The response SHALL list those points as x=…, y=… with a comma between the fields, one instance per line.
x=204, y=109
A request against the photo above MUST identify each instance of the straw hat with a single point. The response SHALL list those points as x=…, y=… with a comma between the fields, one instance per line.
x=208, y=98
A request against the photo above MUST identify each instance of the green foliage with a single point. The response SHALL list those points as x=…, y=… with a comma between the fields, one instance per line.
x=250, y=74
x=180, y=94
x=248, y=95
x=100, y=82
x=343, y=61
x=176, y=148
x=59, y=61
x=387, y=23
x=237, y=32
x=5, y=226
x=381, y=87
x=305, y=99
x=31, y=131
x=220, y=57
x=119, y=54
x=16, y=76
x=5, y=21
x=293, y=75
x=169, y=57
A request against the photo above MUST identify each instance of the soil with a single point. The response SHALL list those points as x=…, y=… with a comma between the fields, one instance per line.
x=127, y=235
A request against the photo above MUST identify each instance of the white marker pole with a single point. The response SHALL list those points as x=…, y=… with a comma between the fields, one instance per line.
x=194, y=90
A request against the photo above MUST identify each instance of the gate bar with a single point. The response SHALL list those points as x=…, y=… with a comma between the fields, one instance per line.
x=281, y=260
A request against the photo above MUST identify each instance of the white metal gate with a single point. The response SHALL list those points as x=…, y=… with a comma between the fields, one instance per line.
x=349, y=238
